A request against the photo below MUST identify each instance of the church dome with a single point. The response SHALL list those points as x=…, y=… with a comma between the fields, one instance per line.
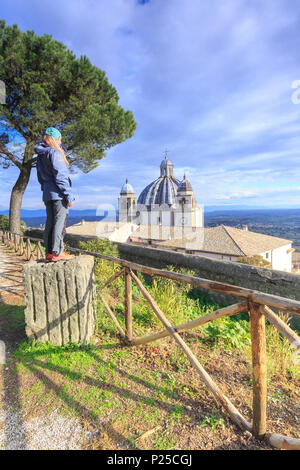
x=185, y=186
x=161, y=191
x=127, y=188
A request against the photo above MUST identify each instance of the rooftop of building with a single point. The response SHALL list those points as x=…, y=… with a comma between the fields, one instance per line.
x=229, y=240
x=222, y=239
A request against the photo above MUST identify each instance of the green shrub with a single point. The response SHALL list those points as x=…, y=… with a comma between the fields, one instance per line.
x=229, y=333
x=256, y=260
x=103, y=268
x=4, y=223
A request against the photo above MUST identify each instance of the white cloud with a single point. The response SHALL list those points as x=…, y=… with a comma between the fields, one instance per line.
x=209, y=80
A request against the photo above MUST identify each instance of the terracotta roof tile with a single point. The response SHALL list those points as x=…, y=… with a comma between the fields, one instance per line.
x=231, y=241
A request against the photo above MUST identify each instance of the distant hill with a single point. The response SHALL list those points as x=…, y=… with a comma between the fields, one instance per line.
x=39, y=221
x=207, y=209
x=42, y=212
x=231, y=208
x=37, y=217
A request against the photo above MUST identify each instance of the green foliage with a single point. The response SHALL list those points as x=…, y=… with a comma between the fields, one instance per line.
x=256, y=260
x=163, y=441
x=4, y=223
x=22, y=227
x=46, y=84
x=281, y=357
x=103, y=269
x=214, y=421
x=228, y=333
x=103, y=246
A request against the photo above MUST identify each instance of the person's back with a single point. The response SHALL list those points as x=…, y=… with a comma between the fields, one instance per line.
x=52, y=174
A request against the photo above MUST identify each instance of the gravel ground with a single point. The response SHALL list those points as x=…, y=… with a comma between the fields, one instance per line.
x=51, y=432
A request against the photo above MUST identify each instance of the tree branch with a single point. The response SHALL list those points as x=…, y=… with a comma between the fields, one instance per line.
x=32, y=161
x=4, y=150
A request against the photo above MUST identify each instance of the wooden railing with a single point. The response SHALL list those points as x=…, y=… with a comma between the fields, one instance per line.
x=256, y=303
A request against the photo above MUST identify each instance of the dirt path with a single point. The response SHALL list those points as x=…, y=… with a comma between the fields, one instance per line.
x=11, y=276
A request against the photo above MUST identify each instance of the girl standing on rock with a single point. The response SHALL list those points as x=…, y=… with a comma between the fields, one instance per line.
x=52, y=173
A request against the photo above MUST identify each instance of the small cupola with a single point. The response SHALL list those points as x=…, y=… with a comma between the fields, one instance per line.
x=126, y=188
x=185, y=186
x=166, y=167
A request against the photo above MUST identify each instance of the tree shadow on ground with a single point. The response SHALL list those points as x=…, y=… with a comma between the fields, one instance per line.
x=12, y=333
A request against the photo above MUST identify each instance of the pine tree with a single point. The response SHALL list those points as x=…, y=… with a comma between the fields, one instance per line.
x=46, y=85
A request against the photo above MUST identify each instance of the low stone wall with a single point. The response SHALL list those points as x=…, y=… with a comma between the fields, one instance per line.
x=70, y=239
x=59, y=299
x=265, y=280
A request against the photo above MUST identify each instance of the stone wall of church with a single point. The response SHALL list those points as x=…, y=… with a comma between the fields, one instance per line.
x=175, y=216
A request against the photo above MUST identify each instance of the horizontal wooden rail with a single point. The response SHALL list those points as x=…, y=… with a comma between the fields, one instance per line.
x=220, y=313
x=254, y=296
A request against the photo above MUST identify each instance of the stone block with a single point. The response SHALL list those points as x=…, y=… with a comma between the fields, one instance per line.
x=60, y=300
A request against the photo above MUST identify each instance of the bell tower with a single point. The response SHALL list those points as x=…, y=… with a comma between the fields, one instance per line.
x=186, y=205
x=127, y=203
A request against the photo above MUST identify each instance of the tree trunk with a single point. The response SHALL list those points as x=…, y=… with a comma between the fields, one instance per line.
x=19, y=189
x=16, y=199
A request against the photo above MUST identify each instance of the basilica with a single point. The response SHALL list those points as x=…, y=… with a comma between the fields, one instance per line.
x=166, y=202
x=167, y=216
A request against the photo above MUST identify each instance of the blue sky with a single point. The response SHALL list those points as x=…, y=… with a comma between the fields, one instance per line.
x=209, y=80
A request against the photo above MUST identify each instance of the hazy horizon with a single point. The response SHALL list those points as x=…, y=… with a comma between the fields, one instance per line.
x=206, y=208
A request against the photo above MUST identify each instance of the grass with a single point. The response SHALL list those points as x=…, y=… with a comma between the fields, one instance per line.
x=16, y=315
x=132, y=389
x=215, y=420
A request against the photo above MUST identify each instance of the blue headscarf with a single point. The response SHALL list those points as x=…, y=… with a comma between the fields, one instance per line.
x=53, y=132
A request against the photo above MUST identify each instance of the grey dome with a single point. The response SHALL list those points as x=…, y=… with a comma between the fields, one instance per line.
x=161, y=191
x=185, y=185
x=127, y=188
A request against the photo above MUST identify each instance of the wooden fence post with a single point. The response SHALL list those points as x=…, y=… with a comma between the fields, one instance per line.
x=259, y=371
x=18, y=244
x=28, y=252
x=128, y=305
x=22, y=246
x=40, y=251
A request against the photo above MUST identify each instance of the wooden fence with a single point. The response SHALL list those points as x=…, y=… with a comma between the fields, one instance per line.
x=256, y=303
